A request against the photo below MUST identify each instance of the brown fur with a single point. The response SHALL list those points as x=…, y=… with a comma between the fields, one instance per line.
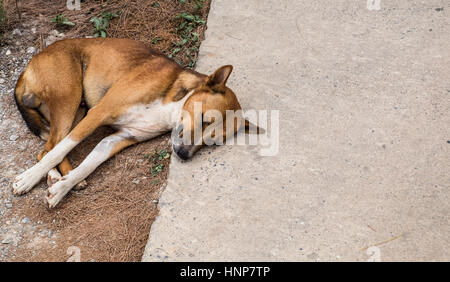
x=109, y=76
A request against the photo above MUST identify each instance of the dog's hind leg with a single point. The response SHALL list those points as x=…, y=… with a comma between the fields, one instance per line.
x=61, y=122
x=95, y=118
x=65, y=166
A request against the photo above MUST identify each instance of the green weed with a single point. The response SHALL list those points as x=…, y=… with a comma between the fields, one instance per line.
x=188, y=23
x=157, y=169
x=156, y=158
x=101, y=23
x=62, y=20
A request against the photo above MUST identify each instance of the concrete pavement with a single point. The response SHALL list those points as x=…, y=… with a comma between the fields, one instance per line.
x=364, y=159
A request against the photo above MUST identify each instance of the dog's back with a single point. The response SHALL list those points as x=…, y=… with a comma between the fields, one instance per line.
x=75, y=70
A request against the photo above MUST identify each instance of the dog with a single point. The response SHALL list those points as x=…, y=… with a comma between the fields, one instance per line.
x=75, y=86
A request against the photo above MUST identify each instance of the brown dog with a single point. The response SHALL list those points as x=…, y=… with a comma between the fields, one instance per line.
x=136, y=90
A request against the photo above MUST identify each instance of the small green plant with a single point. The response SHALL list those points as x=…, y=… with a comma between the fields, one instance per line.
x=159, y=155
x=198, y=5
x=156, y=158
x=101, y=23
x=157, y=169
x=188, y=24
x=163, y=154
x=60, y=19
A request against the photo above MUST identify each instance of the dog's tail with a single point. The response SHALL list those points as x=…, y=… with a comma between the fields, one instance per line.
x=28, y=104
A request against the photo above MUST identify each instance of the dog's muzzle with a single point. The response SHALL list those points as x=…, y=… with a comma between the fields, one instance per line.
x=182, y=150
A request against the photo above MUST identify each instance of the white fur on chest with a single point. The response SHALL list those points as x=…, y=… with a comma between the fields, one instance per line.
x=148, y=121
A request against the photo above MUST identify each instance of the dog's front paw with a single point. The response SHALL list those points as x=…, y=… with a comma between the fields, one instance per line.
x=24, y=182
x=53, y=176
x=57, y=192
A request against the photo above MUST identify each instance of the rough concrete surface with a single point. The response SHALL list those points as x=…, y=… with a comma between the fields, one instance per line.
x=364, y=159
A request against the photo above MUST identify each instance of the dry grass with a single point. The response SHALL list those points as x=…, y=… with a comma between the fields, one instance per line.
x=111, y=219
x=139, y=20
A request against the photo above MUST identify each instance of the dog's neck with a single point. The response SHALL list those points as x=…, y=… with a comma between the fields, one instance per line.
x=185, y=82
x=144, y=121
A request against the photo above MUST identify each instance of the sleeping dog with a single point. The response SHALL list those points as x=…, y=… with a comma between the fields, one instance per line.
x=77, y=85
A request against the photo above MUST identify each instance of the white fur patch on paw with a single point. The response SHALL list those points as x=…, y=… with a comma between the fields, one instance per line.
x=53, y=176
x=57, y=192
x=24, y=182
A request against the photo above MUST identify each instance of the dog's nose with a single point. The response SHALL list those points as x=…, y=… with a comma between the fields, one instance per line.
x=182, y=152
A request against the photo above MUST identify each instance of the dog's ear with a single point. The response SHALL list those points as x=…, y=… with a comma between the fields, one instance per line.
x=251, y=128
x=219, y=77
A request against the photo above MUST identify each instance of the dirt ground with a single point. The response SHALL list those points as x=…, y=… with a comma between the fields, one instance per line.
x=111, y=219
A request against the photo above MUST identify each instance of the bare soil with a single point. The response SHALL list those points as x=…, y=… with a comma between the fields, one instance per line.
x=111, y=219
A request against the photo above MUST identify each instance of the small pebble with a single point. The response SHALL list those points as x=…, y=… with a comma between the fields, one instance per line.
x=31, y=50
x=7, y=241
x=54, y=32
x=8, y=52
x=13, y=137
x=50, y=40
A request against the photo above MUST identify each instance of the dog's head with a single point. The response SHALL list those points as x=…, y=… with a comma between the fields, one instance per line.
x=210, y=115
